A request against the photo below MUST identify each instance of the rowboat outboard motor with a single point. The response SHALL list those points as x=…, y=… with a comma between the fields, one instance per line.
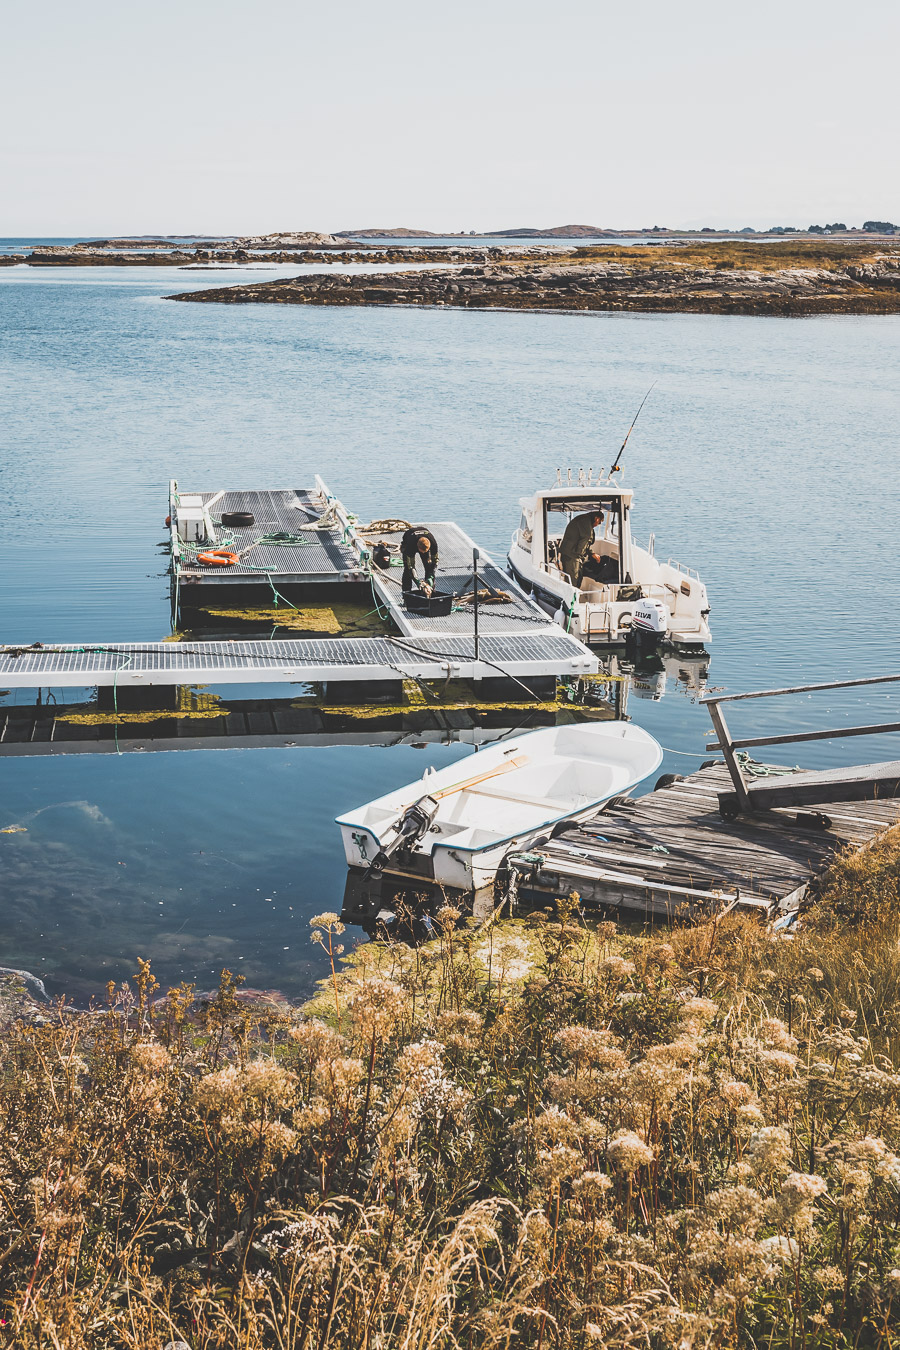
x=415, y=822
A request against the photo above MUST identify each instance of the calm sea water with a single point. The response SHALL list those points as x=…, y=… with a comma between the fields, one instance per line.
x=766, y=458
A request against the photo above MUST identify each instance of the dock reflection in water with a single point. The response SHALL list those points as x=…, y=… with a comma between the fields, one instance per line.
x=199, y=861
x=202, y=861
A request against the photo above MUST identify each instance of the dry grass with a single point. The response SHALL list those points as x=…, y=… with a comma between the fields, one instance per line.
x=741, y=255
x=530, y=1134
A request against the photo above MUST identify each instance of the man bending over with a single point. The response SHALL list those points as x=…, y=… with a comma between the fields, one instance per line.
x=419, y=544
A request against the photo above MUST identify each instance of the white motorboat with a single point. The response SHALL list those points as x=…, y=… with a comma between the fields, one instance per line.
x=623, y=589
x=456, y=825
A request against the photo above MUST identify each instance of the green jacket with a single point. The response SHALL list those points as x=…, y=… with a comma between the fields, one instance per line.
x=578, y=536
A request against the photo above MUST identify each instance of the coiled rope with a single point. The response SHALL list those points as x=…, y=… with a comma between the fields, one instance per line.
x=757, y=770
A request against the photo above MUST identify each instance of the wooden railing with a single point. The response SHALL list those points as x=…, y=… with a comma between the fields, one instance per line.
x=729, y=745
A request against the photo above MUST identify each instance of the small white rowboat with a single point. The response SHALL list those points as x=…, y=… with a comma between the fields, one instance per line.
x=456, y=825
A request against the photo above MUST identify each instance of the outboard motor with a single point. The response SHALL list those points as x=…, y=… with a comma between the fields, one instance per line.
x=415, y=822
x=650, y=617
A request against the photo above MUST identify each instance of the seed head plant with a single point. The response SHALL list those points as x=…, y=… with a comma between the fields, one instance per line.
x=540, y=1133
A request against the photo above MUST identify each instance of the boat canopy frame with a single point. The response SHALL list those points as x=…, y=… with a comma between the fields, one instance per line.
x=614, y=507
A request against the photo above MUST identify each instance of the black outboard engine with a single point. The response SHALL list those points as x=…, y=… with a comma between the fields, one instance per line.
x=410, y=828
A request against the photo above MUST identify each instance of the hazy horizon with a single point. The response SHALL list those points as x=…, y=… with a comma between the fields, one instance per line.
x=484, y=117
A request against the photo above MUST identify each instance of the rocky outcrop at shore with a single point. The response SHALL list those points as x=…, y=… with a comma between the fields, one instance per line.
x=23, y=998
x=83, y=256
x=722, y=277
x=97, y=255
x=398, y=232
x=600, y=283
x=290, y=239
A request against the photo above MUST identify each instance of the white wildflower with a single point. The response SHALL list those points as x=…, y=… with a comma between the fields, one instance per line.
x=627, y=1152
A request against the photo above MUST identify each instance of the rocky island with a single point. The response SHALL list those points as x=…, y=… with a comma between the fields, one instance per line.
x=857, y=273
x=729, y=277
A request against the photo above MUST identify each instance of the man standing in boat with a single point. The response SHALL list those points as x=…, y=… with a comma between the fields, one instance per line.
x=419, y=543
x=576, y=543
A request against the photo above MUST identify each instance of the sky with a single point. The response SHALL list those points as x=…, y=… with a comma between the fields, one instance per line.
x=202, y=117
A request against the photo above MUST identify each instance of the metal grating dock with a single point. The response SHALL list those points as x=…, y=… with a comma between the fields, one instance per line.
x=124, y=664
x=324, y=557
x=517, y=615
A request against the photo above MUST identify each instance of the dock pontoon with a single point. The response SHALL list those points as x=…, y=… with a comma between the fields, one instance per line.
x=291, y=543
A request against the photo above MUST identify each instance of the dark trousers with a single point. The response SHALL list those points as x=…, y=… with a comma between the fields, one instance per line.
x=408, y=581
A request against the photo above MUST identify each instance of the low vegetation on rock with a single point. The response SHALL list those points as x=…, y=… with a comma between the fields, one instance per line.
x=534, y=1133
x=791, y=278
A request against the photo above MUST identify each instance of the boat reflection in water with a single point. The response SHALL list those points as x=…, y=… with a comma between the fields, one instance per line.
x=649, y=674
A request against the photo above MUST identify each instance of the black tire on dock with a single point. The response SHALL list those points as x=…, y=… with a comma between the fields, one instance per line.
x=237, y=517
x=667, y=780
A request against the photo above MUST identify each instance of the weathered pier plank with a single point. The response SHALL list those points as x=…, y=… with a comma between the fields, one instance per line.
x=671, y=850
x=858, y=783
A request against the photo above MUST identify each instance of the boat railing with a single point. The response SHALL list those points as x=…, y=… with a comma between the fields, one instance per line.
x=680, y=567
x=173, y=522
x=729, y=745
x=346, y=521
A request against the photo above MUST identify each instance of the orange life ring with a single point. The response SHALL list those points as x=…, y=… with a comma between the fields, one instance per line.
x=218, y=557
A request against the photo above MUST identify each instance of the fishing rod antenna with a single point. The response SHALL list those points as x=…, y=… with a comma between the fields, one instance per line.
x=615, y=467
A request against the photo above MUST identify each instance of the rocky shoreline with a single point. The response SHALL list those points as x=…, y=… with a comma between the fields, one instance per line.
x=818, y=279
x=23, y=998
x=795, y=278
x=99, y=255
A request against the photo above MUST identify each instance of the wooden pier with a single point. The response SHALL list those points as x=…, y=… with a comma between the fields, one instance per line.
x=671, y=851
x=856, y=782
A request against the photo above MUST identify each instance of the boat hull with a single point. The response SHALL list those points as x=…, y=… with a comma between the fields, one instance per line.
x=455, y=869
x=497, y=801
x=617, y=633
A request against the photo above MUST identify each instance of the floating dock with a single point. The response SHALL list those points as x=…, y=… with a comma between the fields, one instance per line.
x=307, y=539
x=320, y=557
x=515, y=615
x=671, y=851
x=323, y=544
x=382, y=660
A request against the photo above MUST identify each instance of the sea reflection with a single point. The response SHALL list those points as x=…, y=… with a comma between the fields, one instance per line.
x=110, y=853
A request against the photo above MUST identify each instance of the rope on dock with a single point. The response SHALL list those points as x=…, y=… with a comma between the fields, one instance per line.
x=757, y=770
x=390, y=526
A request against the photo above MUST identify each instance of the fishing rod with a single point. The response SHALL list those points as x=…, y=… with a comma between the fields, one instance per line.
x=615, y=467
